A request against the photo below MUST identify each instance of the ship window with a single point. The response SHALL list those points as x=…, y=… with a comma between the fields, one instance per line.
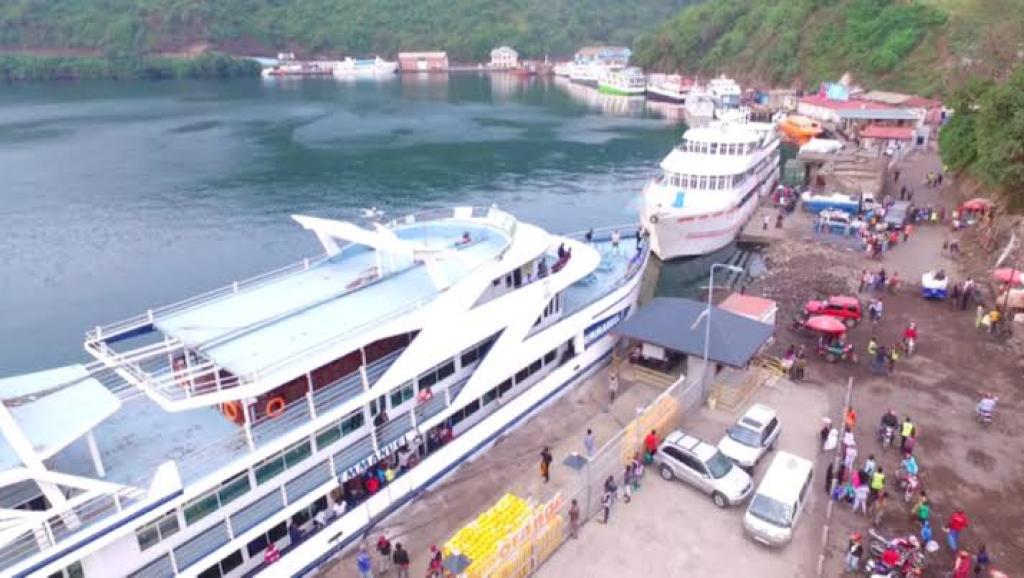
x=470, y=357
x=522, y=374
x=200, y=507
x=713, y=148
x=352, y=422
x=427, y=380
x=402, y=395
x=297, y=453
x=504, y=387
x=472, y=407
x=256, y=546
x=74, y=570
x=232, y=489
x=703, y=183
x=445, y=370
x=231, y=562
x=535, y=367
x=550, y=356
x=157, y=530
x=269, y=468
x=327, y=436
x=490, y=396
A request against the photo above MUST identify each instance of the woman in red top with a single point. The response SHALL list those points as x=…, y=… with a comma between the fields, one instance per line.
x=372, y=484
x=650, y=445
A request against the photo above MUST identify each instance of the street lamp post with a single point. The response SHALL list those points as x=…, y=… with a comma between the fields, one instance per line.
x=707, y=321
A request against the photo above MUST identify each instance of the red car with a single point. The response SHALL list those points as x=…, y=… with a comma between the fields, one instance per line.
x=844, y=308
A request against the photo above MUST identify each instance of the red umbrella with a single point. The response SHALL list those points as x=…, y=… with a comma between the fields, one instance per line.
x=1007, y=275
x=826, y=324
x=976, y=204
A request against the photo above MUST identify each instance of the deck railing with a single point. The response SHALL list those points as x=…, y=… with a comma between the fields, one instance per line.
x=208, y=377
x=57, y=528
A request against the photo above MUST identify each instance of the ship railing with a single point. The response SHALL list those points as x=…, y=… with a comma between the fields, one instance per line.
x=492, y=215
x=61, y=526
x=117, y=328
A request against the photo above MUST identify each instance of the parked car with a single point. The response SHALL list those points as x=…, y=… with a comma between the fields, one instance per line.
x=704, y=467
x=751, y=437
x=838, y=221
x=775, y=509
x=846, y=309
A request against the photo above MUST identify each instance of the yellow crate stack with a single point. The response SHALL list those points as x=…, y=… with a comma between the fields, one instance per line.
x=479, y=539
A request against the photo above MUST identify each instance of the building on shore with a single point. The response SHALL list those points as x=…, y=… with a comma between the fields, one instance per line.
x=603, y=55
x=880, y=138
x=436, y=61
x=504, y=58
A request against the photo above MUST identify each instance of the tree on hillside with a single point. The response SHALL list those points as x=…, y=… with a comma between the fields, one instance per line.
x=1000, y=136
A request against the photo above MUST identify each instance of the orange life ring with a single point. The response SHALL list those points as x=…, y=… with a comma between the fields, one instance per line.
x=231, y=410
x=275, y=406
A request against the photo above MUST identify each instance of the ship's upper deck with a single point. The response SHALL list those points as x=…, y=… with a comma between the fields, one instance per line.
x=235, y=335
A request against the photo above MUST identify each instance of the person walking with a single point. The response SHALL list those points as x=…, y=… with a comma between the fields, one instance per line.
x=650, y=446
x=860, y=498
x=922, y=510
x=363, y=563
x=877, y=484
x=958, y=522
x=981, y=561
x=850, y=419
x=870, y=465
x=384, y=550
x=606, y=505
x=850, y=456
x=854, y=552
x=829, y=474
x=589, y=443
x=574, y=519
x=545, y=464
x=616, y=239
x=894, y=356
x=907, y=430
x=401, y=559
x=613, y=385
x=878, y=508
x=627, y=484
x=765, y=222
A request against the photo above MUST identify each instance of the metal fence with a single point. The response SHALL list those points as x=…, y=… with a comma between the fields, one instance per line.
x=536, y=544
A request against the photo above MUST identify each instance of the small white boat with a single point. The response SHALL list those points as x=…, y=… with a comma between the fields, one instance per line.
x=364, y=67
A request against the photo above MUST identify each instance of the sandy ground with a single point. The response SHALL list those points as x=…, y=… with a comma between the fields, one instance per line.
x=671, y=529
x=510, y=466
x=963, y=464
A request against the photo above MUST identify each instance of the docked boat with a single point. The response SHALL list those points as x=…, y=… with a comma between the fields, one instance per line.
x=672, y=88
x=299, y=69
x=725, y=91
x=709, y=187
x=628, y=81
x=587, y=74
x=321, y=397
x=376, y=66
x=799, y=129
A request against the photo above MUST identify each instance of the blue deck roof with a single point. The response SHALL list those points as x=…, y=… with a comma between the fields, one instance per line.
x=311, y=307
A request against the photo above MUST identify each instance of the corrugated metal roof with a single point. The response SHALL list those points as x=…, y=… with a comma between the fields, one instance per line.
x=678, y=324
x=877, y=114
x=887, y=132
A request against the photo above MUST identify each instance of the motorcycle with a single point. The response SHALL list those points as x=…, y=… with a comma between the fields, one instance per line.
x=985, y=410
x=910, y=484
x=887, y=436
x=834, y=353
x=909, y=562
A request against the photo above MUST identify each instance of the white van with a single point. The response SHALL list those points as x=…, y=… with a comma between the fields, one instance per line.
x=775, y=509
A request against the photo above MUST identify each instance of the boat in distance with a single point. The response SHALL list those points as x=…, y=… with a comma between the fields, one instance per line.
x=321, y=396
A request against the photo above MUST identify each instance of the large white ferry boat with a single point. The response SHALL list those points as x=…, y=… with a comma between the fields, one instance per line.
x=708, y=187
x=299, y=408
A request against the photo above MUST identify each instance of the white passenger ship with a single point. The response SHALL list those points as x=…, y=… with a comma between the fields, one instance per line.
x=207, y=430
x=708, y=187
x=352, y=67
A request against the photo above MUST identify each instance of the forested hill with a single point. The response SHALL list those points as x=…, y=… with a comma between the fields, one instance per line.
x=468, y=29
x=926, y=46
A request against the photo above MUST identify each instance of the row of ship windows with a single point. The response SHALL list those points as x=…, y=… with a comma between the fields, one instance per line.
x=269, y=468
x=168, y=525
x=714, y=148
x=711, y=183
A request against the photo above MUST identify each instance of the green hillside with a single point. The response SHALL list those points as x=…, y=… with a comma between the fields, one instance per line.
x=468, y=29
x=926, y=46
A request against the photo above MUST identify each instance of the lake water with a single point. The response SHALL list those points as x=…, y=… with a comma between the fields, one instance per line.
x=117, y=197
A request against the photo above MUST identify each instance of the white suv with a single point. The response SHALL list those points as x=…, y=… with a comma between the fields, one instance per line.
x=753, y=435
x=701, y=465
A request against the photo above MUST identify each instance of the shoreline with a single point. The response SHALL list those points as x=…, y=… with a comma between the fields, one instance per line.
x=26, y=67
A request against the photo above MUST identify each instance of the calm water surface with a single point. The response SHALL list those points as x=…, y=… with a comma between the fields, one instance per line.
x=120, y=197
